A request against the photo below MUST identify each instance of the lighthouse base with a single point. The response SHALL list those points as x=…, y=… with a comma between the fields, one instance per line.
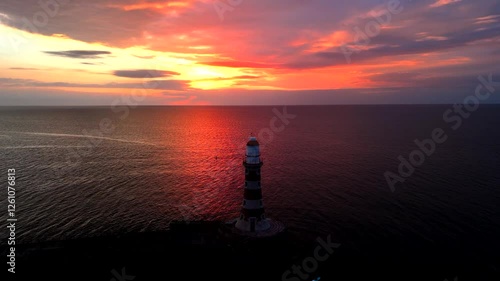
x=252, y=225
x=263, y=228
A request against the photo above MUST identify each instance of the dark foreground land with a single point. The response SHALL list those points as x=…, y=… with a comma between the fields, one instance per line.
x=210, y=251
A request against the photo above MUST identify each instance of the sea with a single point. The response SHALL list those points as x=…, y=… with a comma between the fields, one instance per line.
x=95, y=171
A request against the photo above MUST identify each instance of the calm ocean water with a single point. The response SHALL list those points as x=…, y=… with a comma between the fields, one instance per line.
x=322, y=174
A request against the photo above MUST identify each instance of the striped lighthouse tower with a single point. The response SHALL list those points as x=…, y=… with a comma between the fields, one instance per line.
x=252, y=218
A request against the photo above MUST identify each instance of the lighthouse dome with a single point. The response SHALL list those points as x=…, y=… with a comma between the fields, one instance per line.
x=253, y=151
x=252, y=142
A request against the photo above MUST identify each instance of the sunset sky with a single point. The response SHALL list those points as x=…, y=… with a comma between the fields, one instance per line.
x=174, y=52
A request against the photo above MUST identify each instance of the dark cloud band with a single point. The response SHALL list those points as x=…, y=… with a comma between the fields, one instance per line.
x=144, y=73
x=79, y=54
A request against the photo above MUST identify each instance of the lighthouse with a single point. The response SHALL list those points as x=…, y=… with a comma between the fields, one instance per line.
x=252, y=218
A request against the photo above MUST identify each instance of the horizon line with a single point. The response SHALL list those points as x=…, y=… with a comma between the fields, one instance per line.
x=249, y=105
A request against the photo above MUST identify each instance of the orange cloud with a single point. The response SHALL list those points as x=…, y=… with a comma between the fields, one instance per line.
x=335, y=39
x=241, y=64
x=440, y=3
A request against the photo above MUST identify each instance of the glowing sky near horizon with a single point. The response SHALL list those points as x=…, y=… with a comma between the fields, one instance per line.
x=75, y=52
